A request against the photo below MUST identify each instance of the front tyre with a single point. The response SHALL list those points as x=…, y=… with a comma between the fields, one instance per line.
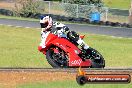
x=57, y=60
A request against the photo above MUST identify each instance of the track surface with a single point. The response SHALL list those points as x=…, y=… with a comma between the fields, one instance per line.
x=118, y=32
x=70, y=70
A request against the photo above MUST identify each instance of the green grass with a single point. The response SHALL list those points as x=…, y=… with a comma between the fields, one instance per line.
x=120, y=4
x=72, y=84
x=18, y=48
x=116, y=51
x=18, y=18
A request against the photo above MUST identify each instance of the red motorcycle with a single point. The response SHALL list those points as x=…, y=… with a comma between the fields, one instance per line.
x=62, y=50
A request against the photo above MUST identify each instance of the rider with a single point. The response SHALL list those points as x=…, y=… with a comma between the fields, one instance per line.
x=76, y=38
x=46, y=24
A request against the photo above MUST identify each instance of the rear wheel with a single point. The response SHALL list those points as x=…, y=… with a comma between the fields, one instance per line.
x=97, y=60
x=57, y=60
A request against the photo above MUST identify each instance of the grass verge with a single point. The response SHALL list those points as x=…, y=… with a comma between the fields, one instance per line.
x=18, y=48
x=120, y=4
x=72, y=84
x=18, y=18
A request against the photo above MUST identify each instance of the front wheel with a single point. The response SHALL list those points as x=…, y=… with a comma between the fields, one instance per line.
x=57, y=60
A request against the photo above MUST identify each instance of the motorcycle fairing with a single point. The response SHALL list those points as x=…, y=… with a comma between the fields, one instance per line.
x=69, y=48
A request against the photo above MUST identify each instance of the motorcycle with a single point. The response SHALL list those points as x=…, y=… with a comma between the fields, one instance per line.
x=63, y=51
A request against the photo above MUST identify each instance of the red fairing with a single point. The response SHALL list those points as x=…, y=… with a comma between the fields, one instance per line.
x=68, y=47
x=40, y=48
x=49, y=40
x=74, y=59
x=51, y=37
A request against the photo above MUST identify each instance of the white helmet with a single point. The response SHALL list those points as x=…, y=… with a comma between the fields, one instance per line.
x=44, y=19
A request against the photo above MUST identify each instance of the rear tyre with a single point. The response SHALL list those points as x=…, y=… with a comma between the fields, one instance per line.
x=56, y=62
x=98, y=61
x=98, y=65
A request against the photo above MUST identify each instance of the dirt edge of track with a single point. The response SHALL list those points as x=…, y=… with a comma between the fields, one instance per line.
x=10, y=79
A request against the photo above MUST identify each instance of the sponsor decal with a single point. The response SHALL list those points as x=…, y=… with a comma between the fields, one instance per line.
x=76, y=62
x=108, y=78
x=82, y=78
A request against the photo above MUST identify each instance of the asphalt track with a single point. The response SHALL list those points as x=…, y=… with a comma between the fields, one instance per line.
x=103, y=30
x=69, y=70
